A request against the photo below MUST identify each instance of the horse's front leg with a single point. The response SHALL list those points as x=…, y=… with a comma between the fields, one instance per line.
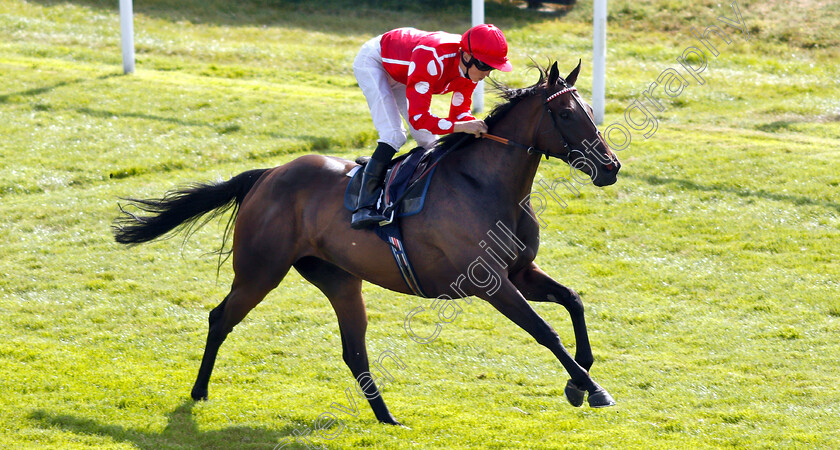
x=536, y=286
x=510, y=302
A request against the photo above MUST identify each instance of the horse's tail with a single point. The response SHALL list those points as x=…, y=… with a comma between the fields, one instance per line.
x=182, y=208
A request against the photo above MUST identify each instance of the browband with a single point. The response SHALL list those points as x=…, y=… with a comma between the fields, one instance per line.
x=560, y=92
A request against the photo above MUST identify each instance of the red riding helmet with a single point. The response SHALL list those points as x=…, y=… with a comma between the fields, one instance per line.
x=487, y=44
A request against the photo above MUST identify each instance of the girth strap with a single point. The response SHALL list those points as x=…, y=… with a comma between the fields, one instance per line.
x=394, y=238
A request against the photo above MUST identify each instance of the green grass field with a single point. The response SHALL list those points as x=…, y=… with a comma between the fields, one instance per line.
x=709, y=271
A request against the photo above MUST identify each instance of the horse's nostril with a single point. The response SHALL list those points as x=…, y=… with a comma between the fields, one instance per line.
x=609, y=167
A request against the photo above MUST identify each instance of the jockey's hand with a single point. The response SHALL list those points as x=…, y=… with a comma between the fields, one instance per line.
x=475, y=127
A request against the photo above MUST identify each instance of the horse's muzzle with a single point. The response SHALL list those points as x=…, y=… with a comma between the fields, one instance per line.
x=607, y=174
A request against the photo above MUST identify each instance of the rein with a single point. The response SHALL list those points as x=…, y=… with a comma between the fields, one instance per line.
x=504, y=141
x=531, y=149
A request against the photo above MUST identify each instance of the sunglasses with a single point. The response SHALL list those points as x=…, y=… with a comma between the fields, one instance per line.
x=481, y=65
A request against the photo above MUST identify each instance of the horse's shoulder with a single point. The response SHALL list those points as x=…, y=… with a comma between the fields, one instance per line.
x=528, y=232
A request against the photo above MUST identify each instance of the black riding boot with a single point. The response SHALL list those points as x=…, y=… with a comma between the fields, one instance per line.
x=366, y=213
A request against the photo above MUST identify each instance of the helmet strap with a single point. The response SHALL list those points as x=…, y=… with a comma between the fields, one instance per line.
x=467, y=64
x=471, y=62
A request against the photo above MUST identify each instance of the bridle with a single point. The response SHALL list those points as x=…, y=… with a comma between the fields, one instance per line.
x=534, y=150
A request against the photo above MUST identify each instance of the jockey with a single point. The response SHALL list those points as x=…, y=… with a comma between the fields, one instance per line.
x=399, y=71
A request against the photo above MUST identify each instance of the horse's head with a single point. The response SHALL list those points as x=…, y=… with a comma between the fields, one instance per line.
x=566, y=129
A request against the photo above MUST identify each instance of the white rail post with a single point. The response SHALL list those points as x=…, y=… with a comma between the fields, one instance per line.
x=478, y=19
x=127, y=35
x=599, y=58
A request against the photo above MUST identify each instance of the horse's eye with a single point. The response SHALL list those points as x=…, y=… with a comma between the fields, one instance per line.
x=565, y=115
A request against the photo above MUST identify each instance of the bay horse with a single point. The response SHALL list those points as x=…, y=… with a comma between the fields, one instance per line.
x=293, y=216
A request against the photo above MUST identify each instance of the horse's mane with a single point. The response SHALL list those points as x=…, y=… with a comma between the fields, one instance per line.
x=513, y=97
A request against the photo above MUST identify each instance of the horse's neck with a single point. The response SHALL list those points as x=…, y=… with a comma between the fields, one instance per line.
x=508, y=165
x=505, y=172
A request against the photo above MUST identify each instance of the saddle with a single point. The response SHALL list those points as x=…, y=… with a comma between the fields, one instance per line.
x=406, y=184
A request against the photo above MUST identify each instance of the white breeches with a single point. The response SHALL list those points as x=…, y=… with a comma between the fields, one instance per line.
x=386, y=98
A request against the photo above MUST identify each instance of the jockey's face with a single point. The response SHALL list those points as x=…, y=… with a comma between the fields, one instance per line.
x=475, y=72
x=477, y=75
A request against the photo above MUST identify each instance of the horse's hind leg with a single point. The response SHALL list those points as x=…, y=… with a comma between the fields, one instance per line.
x=243, y=297
x=345, y=294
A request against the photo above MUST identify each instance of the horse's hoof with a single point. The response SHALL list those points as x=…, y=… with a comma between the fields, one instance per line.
x=574, y=394
x=198, y=396
x=391, y=421
x=600, y=399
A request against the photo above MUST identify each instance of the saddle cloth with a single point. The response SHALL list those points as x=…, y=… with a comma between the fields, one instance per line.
x=406, y=183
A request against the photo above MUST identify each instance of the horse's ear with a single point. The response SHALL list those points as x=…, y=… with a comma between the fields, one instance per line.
x=570, y=80
x=553, y=74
